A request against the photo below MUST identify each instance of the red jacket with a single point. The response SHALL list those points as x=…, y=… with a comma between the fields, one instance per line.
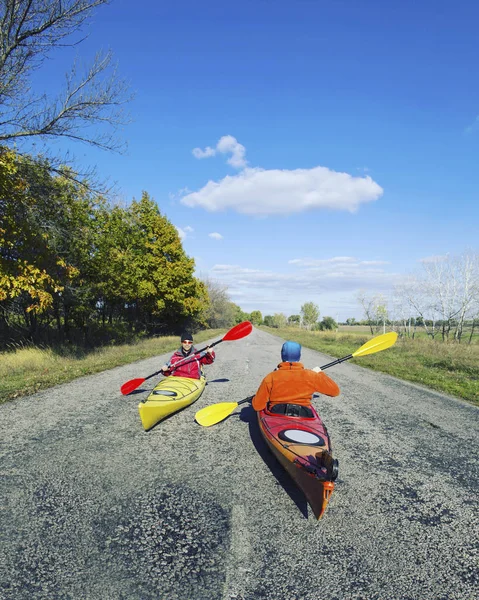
x=292, y=383
x=191, y=366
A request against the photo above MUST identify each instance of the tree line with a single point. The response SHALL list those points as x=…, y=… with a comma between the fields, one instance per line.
x=75, y=268
x=442, y=299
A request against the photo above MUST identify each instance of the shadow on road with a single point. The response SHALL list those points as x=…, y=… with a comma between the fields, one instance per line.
x=248, y=415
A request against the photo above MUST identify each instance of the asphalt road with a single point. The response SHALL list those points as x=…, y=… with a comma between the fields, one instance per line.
x=93, y=507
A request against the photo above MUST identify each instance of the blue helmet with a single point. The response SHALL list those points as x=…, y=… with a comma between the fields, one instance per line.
x=291, y=352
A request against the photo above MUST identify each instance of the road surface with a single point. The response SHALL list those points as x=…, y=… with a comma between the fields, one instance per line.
x=93, y=507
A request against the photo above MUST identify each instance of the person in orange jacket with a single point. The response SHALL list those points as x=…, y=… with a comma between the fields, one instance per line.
x=291, y=383
x=188, y=368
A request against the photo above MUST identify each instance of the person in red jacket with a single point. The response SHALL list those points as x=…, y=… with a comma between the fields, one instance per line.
x=192, y=361
x=292, y=384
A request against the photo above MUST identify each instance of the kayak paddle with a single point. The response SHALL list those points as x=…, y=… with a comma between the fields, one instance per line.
x=210, y=415
x=236, y=333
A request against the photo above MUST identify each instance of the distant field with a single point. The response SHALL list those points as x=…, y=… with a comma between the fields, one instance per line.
x=419, y=333
x=446, y=367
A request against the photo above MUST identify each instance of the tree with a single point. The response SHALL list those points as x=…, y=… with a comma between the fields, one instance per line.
x=268, y=321
x=30, y=30
x=279, y=320
x=381, y=311
x=310, y=314
x=368, y=304
x=294, y=320
x=239, y=314
x=221, y=311
x=351, y=321
x=328, y=324
x=256, y=317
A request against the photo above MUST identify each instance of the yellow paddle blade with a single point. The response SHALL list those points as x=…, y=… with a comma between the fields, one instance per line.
x=381, y=342
x=215, y=413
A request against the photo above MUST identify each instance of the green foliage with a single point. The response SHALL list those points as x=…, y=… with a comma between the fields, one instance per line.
x=328, y=324
x=294, y=320
x=279, y=320
x=310, y=313
x=268, y=321
x=220, y=311
x=256, y=317
x=239, y=314
x=69, y=261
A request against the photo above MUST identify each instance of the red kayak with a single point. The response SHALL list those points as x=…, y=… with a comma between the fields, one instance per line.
x=299, y=440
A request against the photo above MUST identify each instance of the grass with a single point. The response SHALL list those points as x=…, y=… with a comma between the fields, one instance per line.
x=27, y=370
x=448, y=367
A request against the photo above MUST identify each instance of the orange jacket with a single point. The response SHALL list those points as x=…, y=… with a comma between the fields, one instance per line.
x=291, y=382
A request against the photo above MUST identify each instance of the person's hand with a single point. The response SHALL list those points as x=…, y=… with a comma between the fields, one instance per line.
x=316, y=369
x=209, y=350
x=164, y=368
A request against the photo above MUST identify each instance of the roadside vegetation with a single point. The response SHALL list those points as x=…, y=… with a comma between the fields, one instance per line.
x=447, y=367
x=26, y=370
x=88, y=282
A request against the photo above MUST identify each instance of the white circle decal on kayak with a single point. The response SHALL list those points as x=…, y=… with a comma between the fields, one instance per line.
x=303, y=437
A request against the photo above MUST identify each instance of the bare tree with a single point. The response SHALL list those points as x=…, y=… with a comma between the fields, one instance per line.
x=29, y=31
x=368, y=304
x=414, y=299
x=467, y=269
x=221, y=311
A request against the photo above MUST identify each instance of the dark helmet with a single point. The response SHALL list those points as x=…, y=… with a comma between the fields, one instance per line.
x=291, y=352
x=186, y=335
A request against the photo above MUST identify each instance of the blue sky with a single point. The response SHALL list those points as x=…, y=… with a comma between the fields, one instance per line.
x=329, y=146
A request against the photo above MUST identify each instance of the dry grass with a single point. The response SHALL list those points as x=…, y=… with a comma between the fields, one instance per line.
x=27, y=370
x=446, y=367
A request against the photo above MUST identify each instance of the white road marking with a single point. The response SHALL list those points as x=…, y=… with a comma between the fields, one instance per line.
x=239, y=565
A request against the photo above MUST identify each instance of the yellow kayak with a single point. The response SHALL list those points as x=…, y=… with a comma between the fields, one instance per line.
x=170, y=395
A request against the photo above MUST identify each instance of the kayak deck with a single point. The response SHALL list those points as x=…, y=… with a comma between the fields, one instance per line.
x=302, y=446
x=169, y=396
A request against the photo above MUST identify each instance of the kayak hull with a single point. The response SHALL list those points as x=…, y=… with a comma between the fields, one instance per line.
x=169, y=396
x=302, y=446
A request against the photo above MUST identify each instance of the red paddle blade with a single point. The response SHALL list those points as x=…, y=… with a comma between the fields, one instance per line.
x=131, y=385
x=239, y=331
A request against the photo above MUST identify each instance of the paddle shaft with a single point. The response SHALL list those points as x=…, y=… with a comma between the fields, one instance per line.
x=182, y=361
x=187, y=359
x=337, y=361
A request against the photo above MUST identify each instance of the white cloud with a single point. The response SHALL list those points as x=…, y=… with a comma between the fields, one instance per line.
x=229, y=144
x=433, y=259
x=331, y=283
x=226, y=145
x=181, y=233
x=261, y=192
x=337, y=261
x=206, y=153
x=179, y=193
x=216, y=236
